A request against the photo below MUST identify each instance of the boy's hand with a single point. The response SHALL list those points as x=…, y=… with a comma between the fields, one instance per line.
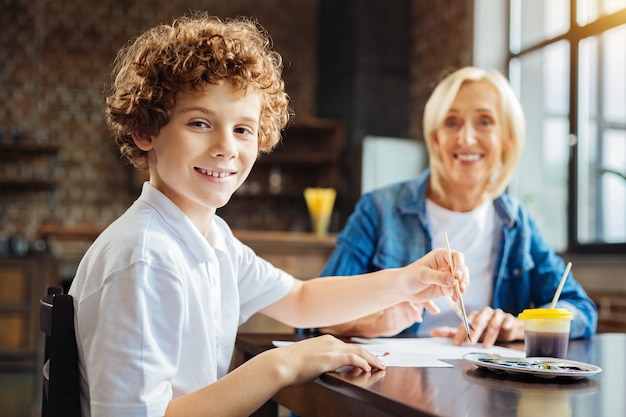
x=429, y=277
x=304, y=361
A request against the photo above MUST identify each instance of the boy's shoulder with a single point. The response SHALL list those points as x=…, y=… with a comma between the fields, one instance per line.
x=139, y=237
x=140, y=227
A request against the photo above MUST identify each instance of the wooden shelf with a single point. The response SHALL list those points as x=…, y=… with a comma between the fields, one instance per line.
x=28, y=147
x=291, y=239
x=58, y=231
x=28, y=166
x=24, y=184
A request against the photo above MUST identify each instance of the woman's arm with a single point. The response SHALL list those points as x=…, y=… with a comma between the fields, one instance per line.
x=384, y=323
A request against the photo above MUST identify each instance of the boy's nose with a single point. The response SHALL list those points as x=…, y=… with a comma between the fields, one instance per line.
x=223, y=146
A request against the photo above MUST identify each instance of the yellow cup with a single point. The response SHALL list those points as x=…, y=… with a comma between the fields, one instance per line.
x=546, y=331
x=319, y=223
x=320, y=202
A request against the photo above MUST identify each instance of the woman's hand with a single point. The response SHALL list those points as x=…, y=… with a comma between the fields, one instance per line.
x=490, y=326
x=305, y=360
x=384, y=323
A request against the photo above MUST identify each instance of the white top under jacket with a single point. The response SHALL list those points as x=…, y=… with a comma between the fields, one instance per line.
x=473, y=233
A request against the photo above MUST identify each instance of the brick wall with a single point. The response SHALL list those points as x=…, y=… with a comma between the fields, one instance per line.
x=442, y=38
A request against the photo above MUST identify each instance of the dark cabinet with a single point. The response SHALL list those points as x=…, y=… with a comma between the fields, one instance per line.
x=23, y=281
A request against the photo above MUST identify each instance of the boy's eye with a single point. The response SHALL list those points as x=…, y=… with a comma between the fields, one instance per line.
x=241, y=130
x=199, y=123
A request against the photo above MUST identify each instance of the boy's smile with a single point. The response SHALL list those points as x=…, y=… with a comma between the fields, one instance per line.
x=206, y=151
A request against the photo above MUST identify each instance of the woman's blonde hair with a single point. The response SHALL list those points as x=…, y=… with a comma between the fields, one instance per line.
x=186, y=55
x=513, y=125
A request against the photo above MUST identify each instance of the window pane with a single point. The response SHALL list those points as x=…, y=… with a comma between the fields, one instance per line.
x=614, y=187
x=602, y=138
x=614, y=63
x=590, y=10
x=533, y=21
x=541, y=80
x=587, y=138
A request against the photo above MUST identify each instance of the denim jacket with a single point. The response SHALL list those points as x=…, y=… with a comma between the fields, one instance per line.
x=389, y=229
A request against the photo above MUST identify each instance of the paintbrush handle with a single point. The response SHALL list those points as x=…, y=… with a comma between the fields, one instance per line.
x=457, y=310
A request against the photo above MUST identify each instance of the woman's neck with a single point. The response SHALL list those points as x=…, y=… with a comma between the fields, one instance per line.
x=459, y=200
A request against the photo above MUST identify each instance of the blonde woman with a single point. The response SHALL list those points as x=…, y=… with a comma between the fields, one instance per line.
x=474, y=130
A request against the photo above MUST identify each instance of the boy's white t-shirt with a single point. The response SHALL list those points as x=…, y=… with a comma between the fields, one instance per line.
x=157, y=307
x=474, y=234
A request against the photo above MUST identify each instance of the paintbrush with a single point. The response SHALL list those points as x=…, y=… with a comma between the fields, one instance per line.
x=458, y=290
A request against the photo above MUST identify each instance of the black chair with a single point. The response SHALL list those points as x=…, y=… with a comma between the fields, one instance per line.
x=61, y=397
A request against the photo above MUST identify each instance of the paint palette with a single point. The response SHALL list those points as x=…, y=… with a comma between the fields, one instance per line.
x=540, y=367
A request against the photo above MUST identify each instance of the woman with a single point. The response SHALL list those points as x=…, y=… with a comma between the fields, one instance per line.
x=474, y=131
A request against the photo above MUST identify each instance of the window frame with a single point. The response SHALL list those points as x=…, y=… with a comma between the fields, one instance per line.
x=574, y=36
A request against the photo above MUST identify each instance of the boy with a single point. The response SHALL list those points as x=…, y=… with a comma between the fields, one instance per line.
x=160, y=294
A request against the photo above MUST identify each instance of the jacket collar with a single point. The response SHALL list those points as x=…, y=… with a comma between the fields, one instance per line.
x=413, y=201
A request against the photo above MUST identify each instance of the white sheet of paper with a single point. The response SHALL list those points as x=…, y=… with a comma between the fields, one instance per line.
x=426, y=351
x=423, y=352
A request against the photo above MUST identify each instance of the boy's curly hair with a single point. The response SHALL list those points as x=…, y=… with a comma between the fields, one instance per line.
x=184, y=56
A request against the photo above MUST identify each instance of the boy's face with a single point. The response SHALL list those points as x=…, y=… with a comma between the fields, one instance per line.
x=206, y=151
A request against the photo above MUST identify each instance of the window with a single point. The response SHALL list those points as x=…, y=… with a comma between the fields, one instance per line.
x=567, y=63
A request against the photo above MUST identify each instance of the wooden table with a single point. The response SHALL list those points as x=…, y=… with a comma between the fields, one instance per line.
x=463, y=390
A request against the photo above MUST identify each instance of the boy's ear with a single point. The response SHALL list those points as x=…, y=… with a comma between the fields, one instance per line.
x=143, y=140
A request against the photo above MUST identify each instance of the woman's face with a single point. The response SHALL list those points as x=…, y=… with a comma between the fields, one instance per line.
x=469, y=140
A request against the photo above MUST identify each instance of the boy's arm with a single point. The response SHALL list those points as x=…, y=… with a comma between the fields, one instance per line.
x=333, y=300
x=238, y=393
x=249, y=386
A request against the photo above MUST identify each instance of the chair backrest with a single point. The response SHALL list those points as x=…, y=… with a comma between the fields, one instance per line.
x=61, y=395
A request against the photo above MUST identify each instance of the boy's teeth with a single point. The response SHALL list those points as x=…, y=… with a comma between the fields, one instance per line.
x=213, y=173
